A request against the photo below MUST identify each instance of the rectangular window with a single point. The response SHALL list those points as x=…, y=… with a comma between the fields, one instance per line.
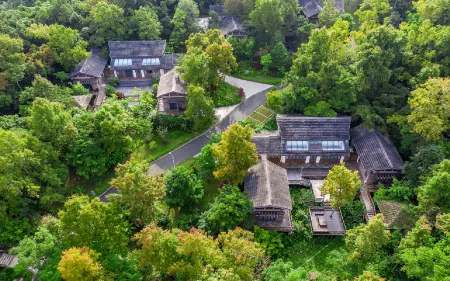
x=296, y=145
x=173, y=106
x=122, y=62
x=332, y=145
x=151, y=61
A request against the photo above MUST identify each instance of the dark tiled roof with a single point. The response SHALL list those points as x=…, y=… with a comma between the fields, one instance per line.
x=217, y=8
x=375, y=151
x=133, y=49
x=171, y=82
x=313, y=7
x=394, y=215
x=110, y=190
x=269, y=145
x=169, y=61
x=92, y=66
x=268, y=185
x=229, y=24
x=295, y=127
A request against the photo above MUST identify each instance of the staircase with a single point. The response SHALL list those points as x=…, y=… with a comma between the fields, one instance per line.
x=369, y=207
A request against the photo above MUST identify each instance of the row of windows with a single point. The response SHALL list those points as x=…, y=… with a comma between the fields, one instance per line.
x=151, y=61
x=296, y=145
x=332, y=145
x=122, y=62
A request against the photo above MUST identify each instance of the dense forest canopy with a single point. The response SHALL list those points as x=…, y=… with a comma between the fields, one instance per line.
x=385, y=63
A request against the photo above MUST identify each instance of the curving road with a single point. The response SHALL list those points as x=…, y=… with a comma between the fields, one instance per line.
x=255, y=95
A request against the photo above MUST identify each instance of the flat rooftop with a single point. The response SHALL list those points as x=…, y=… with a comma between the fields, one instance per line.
x=326, y=221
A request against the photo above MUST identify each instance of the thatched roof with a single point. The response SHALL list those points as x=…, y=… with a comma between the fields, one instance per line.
x=136, y=49
x=82, y=101
x=375, y=151
x=313, y=7
x=171, y=82
x=268, y=185
x=297, y=127
x=394, y=215
x=92, y=66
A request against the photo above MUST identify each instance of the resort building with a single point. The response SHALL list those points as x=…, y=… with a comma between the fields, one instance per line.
x=312, y=8
x=89, y=72
x=171, y=94
x=229, y=25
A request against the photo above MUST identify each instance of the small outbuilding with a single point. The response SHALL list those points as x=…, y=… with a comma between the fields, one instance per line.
x=378, y=159
x=89, y=72
x=172, y=94
x=312, y=8
x=394, y=214
x=230, y=25
x=268, y=187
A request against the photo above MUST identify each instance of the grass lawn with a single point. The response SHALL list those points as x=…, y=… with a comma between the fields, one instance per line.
x=261, y=78
x=260, y=115
x=174, y=139
x=315, y=252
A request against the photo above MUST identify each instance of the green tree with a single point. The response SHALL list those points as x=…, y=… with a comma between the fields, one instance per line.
x=42, y=88
x=433, y=194
x=365, y=241
x=243, y=48
x=94, y=224
x=229, y=210
x=183, y=187
x=421, y=163
x=50, y=122
x=207, y=162
x=372, y=13
x=435, y=11
x=190, y=9
x=430, y=113
x=342, y=185
x=280, y=57
x=284, y=271
x=319, y=79
x=179, y=32
x=12, y=67
x=80, y=264
x=200, y=108
x=235, y=154
x=266, y=62
x=329, y=14
x=107, y=23
x=140, y=193
x=369, y=276
x=145, y=24
x=274, y=101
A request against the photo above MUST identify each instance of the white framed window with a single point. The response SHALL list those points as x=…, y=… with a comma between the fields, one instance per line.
x=122, y=62
x=332, y=145
x=151, y=61
x=296, y=145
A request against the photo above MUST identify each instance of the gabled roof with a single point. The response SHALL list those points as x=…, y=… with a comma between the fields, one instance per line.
x=270, y=145
x=133, y=49
x=230, y=23
x=313, y=7
x=268, y=185
x=171, y=82
x=375, y=151
x=296, y=127
x=91, y=66
x=217, y=8
x=110, y=190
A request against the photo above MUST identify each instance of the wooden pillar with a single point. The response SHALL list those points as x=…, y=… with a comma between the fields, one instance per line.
x=318, y=159
x=134, y=73
x=115, y=74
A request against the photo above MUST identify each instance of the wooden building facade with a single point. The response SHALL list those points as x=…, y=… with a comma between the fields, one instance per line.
x=172, y=94
x=89, y=72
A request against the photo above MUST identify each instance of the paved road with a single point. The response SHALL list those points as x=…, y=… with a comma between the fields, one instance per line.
x=194, y=147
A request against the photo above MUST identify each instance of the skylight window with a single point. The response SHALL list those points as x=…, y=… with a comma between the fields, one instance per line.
x=332, y=145
x=151, y=61
x=122, y=62
x=296, y=145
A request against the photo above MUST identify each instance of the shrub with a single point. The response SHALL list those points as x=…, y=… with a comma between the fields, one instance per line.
x=270, y=241
x=172, y=122
x=110, y=90
x=353, y=213
x=114, y=82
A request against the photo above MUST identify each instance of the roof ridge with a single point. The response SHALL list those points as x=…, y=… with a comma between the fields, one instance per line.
x=383, y=148
x=269, y=186
x=234, y=23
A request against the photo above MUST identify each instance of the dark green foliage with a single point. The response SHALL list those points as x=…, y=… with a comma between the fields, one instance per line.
x=183, y=187
x=398, y=191
x=225, y=95
x=123, y=268
x=353, y=214
x=421, y=163
x=280, y=58
x=113, y=81
x=206, y=160
x=270, y=241
x=172, y=122
x=243, y=48
x=229, y=210
x=186, y=221
x=8, y=122
x=49, y=269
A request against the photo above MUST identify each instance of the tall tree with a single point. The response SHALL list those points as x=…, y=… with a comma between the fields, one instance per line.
x=94, y=224
x=179, y=32
x=235, y=154
x=319, y=82
x=190, y=9
x=329, y=14
x=430, y=104
x=422, y=162
x=107, y=23
x=342, y=185
x=200, y=108
x=365, y=241
x=372, y=13
x=141, y=194
x=436, y=11
x=229, y=210
x=145, y=24
x=280, y=57
x=183, y=187
x=80, y=264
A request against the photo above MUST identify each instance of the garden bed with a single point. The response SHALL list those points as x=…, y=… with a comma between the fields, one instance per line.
x=226, y=95
x=261, y=78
